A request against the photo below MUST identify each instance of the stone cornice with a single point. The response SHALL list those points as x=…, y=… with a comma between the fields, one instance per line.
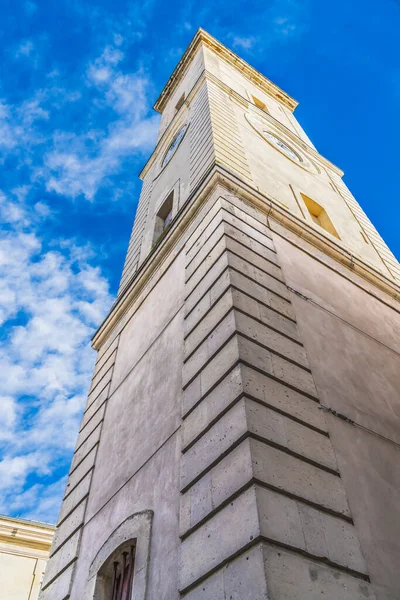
x=218, y=175
x=206, y=75
x=205, y=39
x=26, y=534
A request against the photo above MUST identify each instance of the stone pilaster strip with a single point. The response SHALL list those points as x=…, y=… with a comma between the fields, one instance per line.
x=252, y=432
x=65, y=549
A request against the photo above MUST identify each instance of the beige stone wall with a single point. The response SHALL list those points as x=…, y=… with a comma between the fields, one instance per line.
x=24, y=551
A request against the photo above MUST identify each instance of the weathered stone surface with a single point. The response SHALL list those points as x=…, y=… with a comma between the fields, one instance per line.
x=205, y=251
x=91, y=424
x=205, y=284
x=293, y=577
x=293, y=475
x=59, y=589
x=75, y=497
x=242, y=578
x=208, y=323
x=69, y=526
x=212, y=405
x=206, y=302
x=94, y=403
x=299, y=526
x=214, y=443
x=209, y=347
x=218, y=539
x=260, y=262
x=282, y=397
x=81, y=470
x=290, y=434
x=62, y=558
x=209, y=260
x=85, y=447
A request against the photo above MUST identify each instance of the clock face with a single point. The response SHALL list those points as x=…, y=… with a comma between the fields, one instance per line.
x=270, y=132
x=174, y=145
x=281, y=146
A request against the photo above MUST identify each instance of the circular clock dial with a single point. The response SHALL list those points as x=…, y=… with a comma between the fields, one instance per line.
x=281, y=146
x=174, y=145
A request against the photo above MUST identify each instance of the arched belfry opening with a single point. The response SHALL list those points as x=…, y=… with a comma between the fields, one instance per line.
x=120, y=569
x=116, y=577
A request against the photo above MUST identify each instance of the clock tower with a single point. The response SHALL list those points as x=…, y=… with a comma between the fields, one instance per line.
x=241, y=434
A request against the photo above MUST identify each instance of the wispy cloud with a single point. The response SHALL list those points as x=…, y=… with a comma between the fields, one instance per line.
x=80, y=164
x=51, y=299
x=245, y=43
x=25, y=48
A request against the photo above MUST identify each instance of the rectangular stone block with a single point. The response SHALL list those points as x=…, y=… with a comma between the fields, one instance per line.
x=295, y=476
x=203, y=230
x=246, y=214
x=293, y=375
x=270, y=338
x=85, y=447
x=68, y=527
x=103, y=373
x=262, y=294
x=205, y=284
x=218, y=540
x=213, y=294
x=293, y=577
x=253, y=258
x=82, y=469
x=263, y=278
x=59, y=589
x=250, y=237
x=75, y=497
x=104, y=353
x=61, y=559
x=278, y=395
x=91, y=424
x=209, y=260
x=243, y=578
x=207, y=246
x=211, y=374
x=212, y=405
x=265, y=314
x=204, y=327
x=272, y=364
x=279, y=429
x=214, y=443
x=106, y=346
x=294, y=524
x=94, y=402
x=217, y=338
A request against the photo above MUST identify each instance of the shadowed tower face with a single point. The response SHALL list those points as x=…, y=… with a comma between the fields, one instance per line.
x=240, y=439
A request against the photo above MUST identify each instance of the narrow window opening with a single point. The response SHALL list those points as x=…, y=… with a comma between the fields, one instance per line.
x=164, y=216
x=180, y=102
x=319, y=215
x=116, y=575
x=259, y=104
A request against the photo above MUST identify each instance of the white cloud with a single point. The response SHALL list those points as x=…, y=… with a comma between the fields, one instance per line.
x=51, y=299
x=24, y=49
x=246, y=43
x=81, y=164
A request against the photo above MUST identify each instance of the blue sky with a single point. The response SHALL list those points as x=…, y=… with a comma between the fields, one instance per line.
x=77, y=83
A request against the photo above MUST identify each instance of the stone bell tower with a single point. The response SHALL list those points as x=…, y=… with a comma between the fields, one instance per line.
x=242, y=430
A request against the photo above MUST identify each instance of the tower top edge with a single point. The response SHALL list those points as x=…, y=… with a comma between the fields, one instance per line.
x=203, y=38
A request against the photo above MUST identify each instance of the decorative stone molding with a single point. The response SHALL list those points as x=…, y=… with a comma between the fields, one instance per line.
x=204, y=38
x=138, y=528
